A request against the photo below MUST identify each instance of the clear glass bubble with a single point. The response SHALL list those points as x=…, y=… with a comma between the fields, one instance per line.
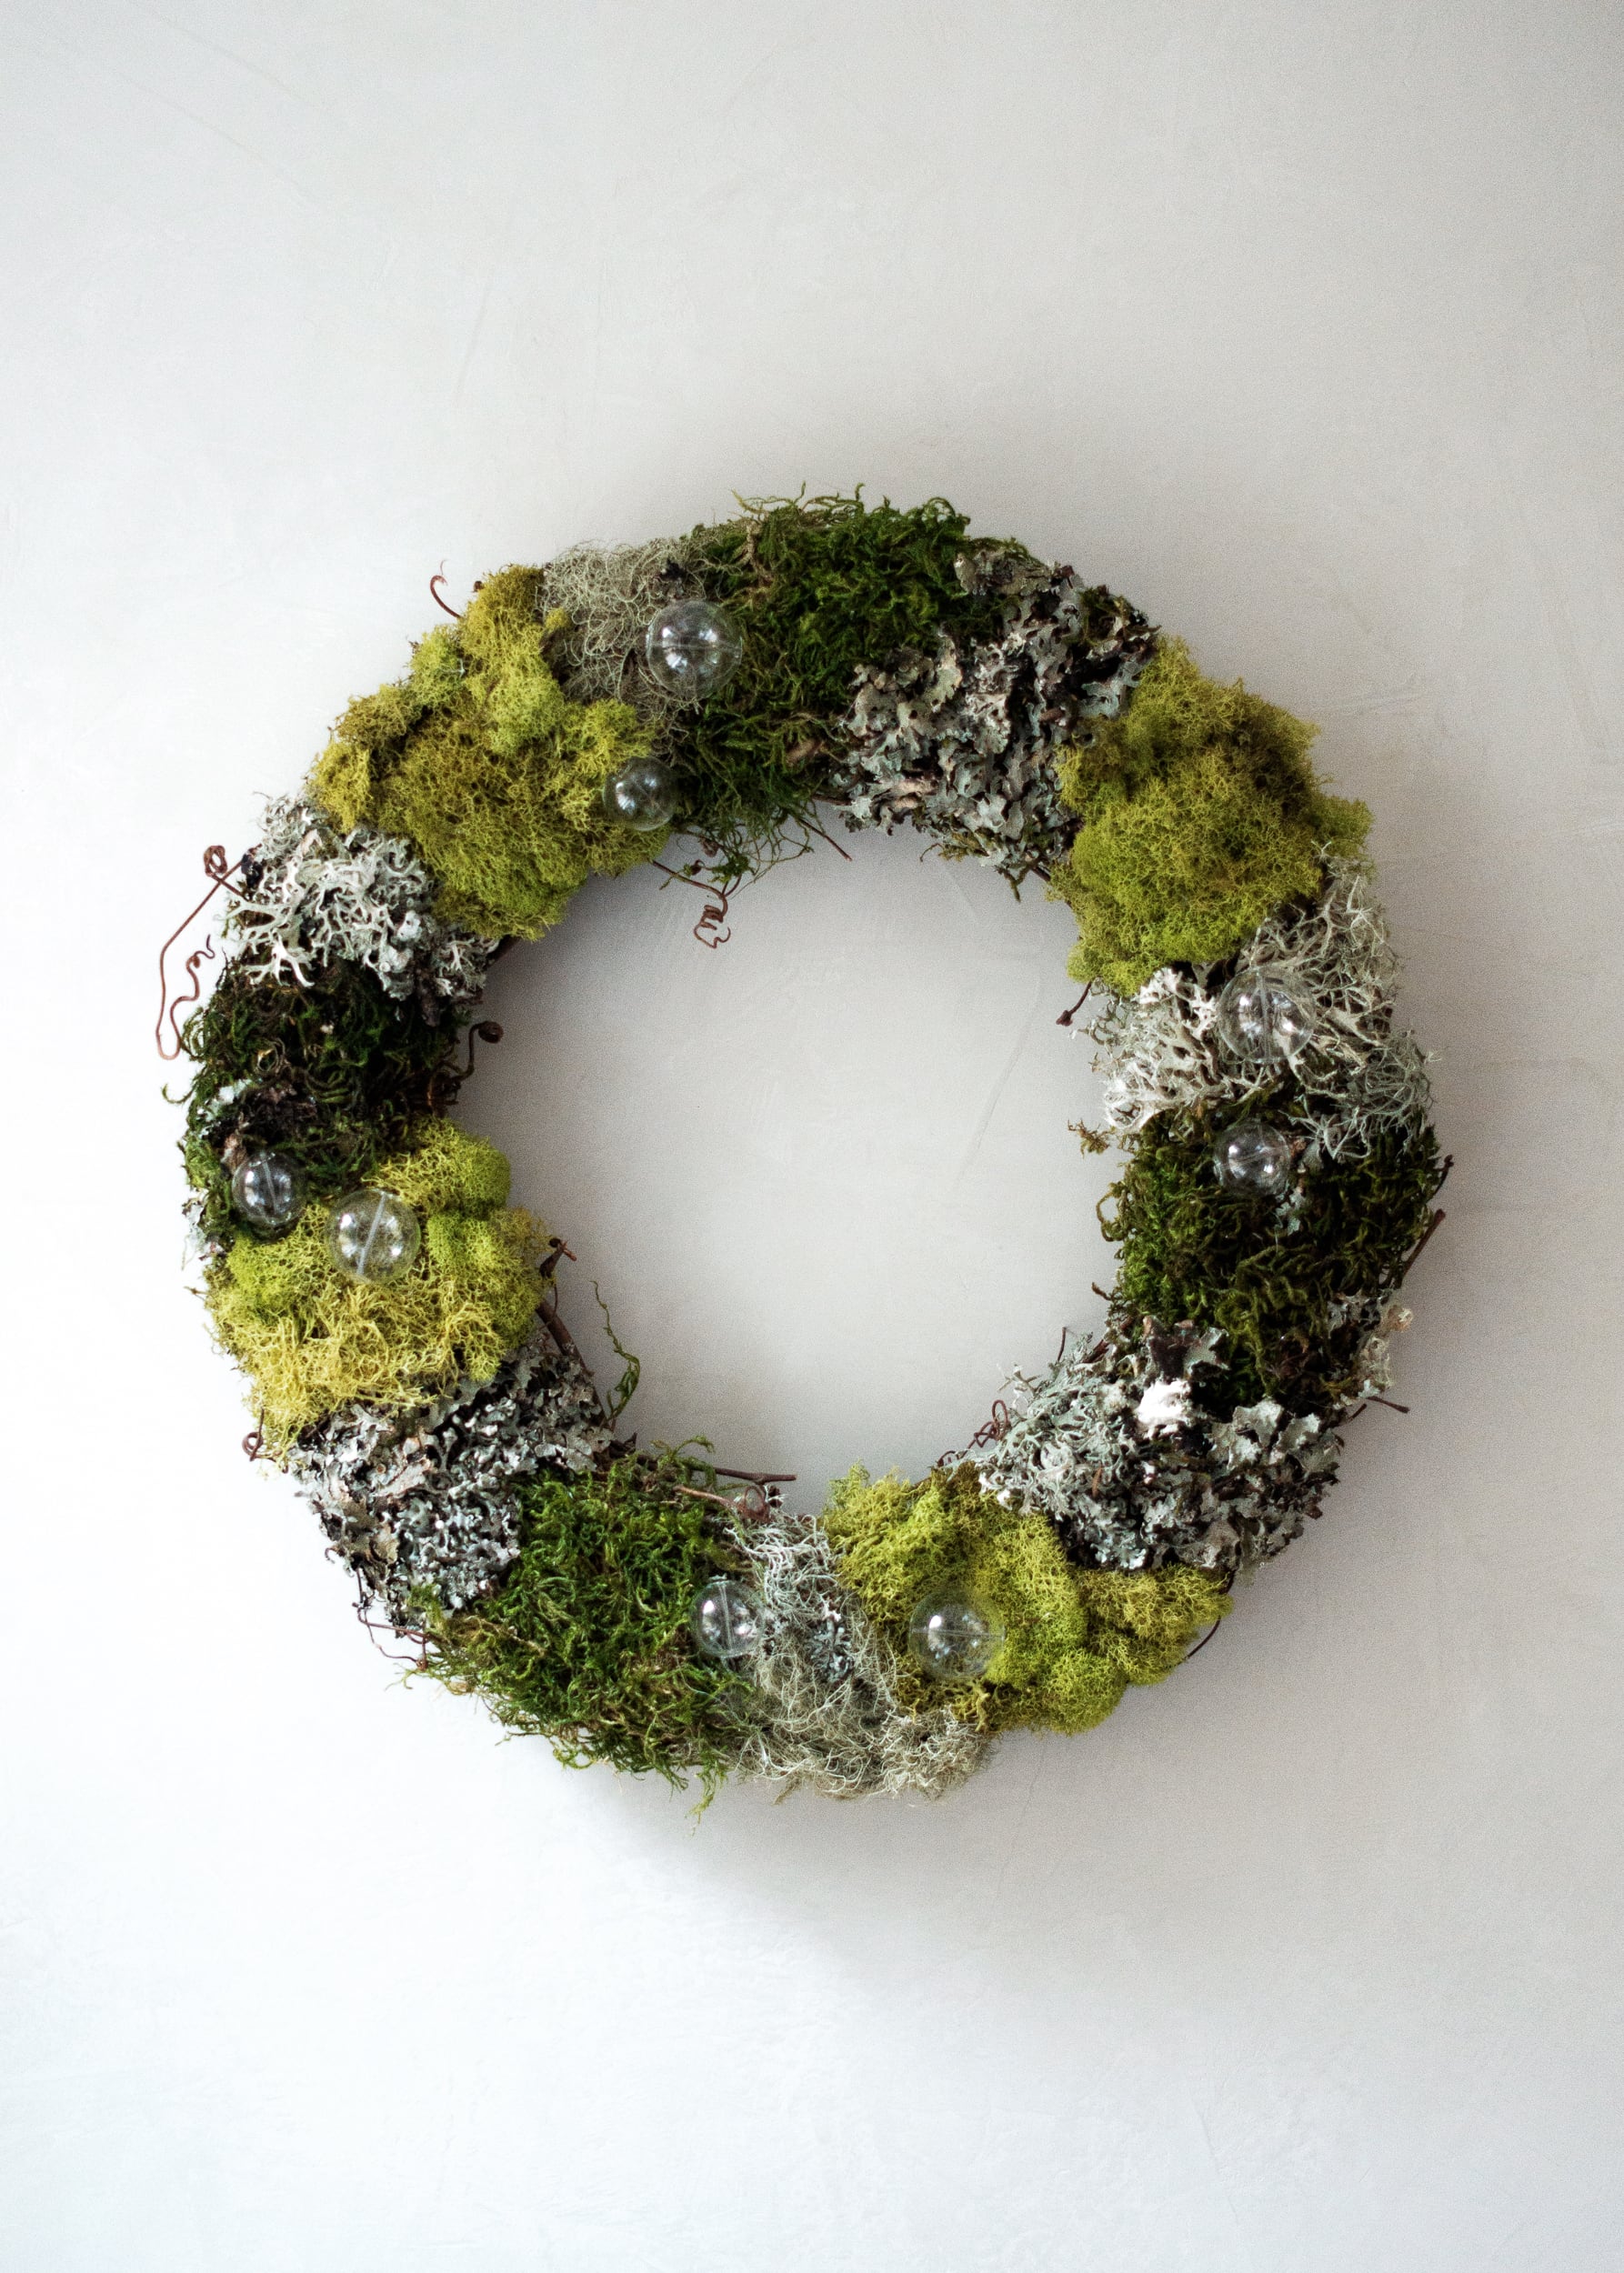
x=953, y=1639
x=725, y=1619
x=692, y=648
x=372, y=1236
x=1253, y=1157
x=641, y=795
x=268, y=1193
x=1261, y=1021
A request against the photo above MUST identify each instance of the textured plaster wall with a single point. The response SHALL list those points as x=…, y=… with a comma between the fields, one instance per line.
x=1299, y=320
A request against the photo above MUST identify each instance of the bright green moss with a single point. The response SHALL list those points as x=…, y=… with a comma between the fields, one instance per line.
x=311, y=1340
x=333, y=1074
x=586, y=1641
x=817, y=586
x=1075, y=1638
x=1200, y=816
x=479, y=760
x=1193, y=1250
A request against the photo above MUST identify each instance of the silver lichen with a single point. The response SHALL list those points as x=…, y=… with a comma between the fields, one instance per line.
x=311, y=894
x=825, y=1714
x=427, y=1503
x=1111, y=1445
x=609, y=593
x=961, y=742
x=1159, y=1050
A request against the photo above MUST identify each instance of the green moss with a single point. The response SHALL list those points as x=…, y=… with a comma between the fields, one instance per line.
x=479, y=760
x=816, y=588
x=311, y=1340
x=587, y=1642
x=1200, y=816
x=1193, y=1250
x=333, y=1074
x=1075, y=1638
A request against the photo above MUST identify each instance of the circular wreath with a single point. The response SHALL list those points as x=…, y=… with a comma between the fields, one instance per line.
x=745, y=688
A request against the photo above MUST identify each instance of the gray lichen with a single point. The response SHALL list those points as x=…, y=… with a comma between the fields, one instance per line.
x=1159, y=1051
x=961, y=743
x=825, y=1716
x=426, y=1503
x=311, y=894
x=609, y=593
x=1112, y=1445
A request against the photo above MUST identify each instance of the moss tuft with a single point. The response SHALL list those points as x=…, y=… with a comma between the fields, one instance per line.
x=312, y=1341
x=586, y=1641
x=817, y=586
x=334, y=1074
x=1202, y=816
x=1279, y=1290
x=480, y=761
x=1075, y=1638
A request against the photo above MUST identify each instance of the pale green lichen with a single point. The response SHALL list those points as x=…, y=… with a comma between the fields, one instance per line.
x=1200, y=816
x=482, y=765
x=1075, y=1640
x=312, y=1341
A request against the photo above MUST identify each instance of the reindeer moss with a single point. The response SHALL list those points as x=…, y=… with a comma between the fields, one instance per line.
x=1192, y=1250
x=333, y=1074
x=586, y=1641
x=479, y=760
x=1200, y=816
x=1075, y=1638
x=312, y=1341
x=817, y=586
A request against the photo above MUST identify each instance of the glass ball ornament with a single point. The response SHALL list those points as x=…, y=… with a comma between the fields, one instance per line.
x=268, y=1193
x=692, y=648
x=1253, y=1157
x=372, y=1236
x=725, y=1619
x=641, y=795
x=952, y=1639
x=1261, y=1021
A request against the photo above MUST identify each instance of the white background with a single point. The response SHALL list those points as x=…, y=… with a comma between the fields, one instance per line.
x=1301, y=321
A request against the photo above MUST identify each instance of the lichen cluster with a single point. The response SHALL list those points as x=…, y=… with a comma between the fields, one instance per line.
x=463, y=1465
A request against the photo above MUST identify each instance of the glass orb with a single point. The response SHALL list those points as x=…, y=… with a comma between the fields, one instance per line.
x=953, y=1639
x=1253, y=1157
x=641, y=795
x=692, y=648
x=268, y=1193
x=371, y=1236
x=725, y=1619
x=1261, y=1021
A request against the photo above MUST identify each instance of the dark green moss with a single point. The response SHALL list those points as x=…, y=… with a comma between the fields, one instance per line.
x=587, y=1642
x=334, y=1074
x=1193, y=1250
x=817, y=586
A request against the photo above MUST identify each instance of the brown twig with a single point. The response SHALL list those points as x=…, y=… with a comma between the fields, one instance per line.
x=434, y=592
x=714, y=921
x=445, y=1083
x=1067, y=1016
x=171, y=1005
x=1437, y=1216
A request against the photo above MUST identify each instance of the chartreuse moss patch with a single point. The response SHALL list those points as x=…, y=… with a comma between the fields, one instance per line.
x=740, y=690
x=1198, y=816
x=1075, y=1640
x=311, y=1340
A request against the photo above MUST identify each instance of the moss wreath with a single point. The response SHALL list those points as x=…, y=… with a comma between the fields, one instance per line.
x=745, y=686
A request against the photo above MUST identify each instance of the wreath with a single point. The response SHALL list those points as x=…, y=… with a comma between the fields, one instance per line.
x=715, y=704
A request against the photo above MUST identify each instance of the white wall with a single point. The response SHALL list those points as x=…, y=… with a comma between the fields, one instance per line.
x=1300, y=321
